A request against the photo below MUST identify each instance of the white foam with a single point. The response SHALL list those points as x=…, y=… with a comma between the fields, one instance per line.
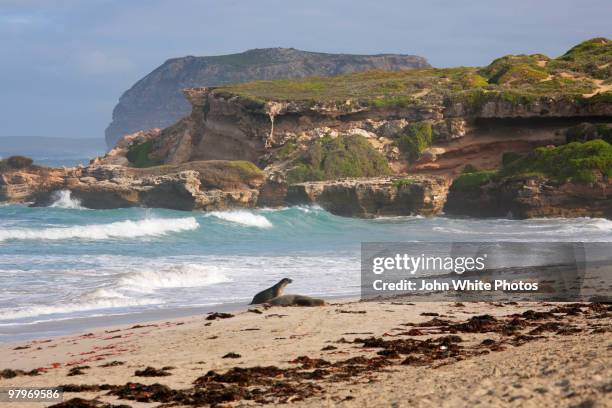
x=242, y=217
x=179, y=276
x=63, y=199
x=119, y=229
x=99, y=299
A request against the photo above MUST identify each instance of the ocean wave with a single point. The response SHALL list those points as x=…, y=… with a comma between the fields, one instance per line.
x=119, y=229
x=180, y=276
x=242, y=217
x=63, y=199
x=536, y=229
x=97, y=300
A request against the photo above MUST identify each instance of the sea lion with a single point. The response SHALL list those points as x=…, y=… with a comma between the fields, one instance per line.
x=295, y=300
x=270, y=293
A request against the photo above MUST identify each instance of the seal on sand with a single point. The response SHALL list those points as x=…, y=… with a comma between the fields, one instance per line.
x=295, y=300
x=272, y=292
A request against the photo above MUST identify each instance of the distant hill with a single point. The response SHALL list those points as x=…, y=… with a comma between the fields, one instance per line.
x=39, y=147
x=156, y=99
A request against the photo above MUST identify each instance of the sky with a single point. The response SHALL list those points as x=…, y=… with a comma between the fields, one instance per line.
x=65, y=63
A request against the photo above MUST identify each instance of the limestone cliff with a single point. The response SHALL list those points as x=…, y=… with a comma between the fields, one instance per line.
x=156, y=101
x=421, y=122
x=384, y=143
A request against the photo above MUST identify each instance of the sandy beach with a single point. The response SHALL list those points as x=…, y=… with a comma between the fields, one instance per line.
x=348, y=353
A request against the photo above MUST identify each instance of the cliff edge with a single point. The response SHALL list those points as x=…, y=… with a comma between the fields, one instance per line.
x=156, y=100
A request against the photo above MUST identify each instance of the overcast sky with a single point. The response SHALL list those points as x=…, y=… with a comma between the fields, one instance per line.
x=64, y=63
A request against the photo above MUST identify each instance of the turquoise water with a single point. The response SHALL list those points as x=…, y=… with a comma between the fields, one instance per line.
x=66, y=262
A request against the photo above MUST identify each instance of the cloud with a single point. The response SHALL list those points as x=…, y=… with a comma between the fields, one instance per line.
x=96, y=62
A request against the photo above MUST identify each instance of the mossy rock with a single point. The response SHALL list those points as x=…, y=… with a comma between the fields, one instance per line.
x=344, y=156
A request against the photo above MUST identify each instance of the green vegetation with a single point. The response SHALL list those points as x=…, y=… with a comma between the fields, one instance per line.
x=519, y=79
x=139, y=154
x=517, y=69
x=284, y=151
x=510, y=157
x=416, y=138
x=15, y=163
x=469, y=168
x=332, y=158
x=403, y=182
x=575, y=161
x=392, y=101
x=591, y=57
x=584, y=132
x=473, y=180
x=246, y=168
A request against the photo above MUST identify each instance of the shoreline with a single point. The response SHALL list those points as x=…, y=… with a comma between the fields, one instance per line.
x=323, y=357
x=74, y=325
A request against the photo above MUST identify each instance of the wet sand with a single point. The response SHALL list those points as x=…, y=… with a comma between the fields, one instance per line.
x=348, y=353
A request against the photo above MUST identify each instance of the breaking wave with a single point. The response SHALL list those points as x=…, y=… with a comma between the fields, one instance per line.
x=119, y=229
x=63, y=199
x=99, y=299
x=243, y=217
x=182, y=276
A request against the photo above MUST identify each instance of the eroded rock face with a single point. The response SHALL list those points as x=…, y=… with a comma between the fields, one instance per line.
x=375, y=196
x=214, y=185
x=117, y=155
x=529, y=197
x=23, y=185
x=156, y=101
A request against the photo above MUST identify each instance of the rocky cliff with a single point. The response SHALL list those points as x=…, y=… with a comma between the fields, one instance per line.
x=156, y=100
x=391, y=143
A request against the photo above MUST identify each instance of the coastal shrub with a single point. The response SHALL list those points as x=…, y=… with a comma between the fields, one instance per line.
x=472, y=181
x=522, y=74
x=15, y=163
x=398, y=101
x=416, y=138
x=531, y=76
x=344, y=156
x=469, y=168
x=509, y=157
x=591, y=57
x=584, y=132
x=245, y=168
x=576, y=161
x=139, y=154
x=284, y=151
x=403, y=182
x=516, y=69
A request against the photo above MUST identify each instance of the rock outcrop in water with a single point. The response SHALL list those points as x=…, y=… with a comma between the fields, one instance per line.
x=373, y=197
x=531, y=196
x=211, y=185
x=156, y=100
